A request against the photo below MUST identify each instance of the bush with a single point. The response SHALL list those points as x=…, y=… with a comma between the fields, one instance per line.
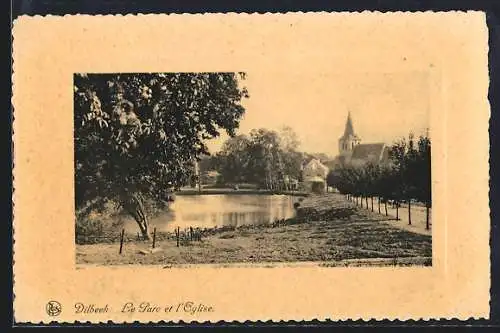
x=104, y=222
x=88, y=230
x=92, y=223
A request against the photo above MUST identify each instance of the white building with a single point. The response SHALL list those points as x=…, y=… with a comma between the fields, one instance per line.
x=314, y=175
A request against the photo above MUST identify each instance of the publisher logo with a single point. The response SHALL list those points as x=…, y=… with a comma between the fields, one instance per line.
x=53, y=308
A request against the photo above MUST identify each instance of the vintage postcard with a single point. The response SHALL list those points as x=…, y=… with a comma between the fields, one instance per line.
x=234, y=167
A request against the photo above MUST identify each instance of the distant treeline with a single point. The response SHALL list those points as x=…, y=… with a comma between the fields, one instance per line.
x=407, y=177
x=269, y=159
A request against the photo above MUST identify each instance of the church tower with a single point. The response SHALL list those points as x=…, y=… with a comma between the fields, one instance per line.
x=349, y=140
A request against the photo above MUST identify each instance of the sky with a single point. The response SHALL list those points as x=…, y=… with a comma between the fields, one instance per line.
x=384, y=106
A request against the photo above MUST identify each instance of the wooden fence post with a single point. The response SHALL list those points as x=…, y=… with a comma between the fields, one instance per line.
x=177, y=234
x=154, y=237
x=121, y=240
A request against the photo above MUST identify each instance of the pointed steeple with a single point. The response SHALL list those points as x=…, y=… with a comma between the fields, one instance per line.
x=349, y=140
x=349, y=130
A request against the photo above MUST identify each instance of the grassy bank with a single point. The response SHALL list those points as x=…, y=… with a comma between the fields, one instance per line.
x=317, y=235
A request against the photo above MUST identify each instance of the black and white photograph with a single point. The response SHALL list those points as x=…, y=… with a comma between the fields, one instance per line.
x=243, y=167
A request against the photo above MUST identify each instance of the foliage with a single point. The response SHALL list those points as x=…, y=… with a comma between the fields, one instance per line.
x=89, y=226
x=137, y=136
x=265, y=157
x=232, y=161
x=408, y=176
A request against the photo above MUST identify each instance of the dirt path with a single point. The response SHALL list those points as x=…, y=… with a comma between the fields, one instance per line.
x=418, y=217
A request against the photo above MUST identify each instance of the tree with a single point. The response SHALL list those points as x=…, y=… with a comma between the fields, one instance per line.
x=289, y=139
x=412, y=160
x=137, y=136
x=233, y=160
x=292, y=163
x=400, y=178
x=265, y=157
x=372, y=175
x=348, y=179
x=409, y=171
x=387, y=184
x=406, y=177
x=334, y=179
x=423, y=174
x=291, y=158
x=265, y=150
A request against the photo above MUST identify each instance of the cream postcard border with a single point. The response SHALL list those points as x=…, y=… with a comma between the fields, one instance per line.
x=48, y=50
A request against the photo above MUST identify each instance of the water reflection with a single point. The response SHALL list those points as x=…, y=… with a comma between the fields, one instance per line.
x=206, y=211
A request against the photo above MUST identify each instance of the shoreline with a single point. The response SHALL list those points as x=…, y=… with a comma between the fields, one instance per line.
x=215, y=191
x=316, y=234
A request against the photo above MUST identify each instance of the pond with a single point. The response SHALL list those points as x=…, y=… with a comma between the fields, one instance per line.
x=207, y=211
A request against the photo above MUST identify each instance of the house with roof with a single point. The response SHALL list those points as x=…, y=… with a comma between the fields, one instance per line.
x=314, y=175
x=352, y=151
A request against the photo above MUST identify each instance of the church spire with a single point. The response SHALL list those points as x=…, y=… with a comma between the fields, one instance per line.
x=349, y=140
x=349, y=130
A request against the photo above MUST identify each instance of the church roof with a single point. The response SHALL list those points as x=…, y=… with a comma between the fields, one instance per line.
x=349, y=128
x=368, y=151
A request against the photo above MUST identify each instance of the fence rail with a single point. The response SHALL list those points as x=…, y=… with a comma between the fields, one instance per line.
x=182, y=237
